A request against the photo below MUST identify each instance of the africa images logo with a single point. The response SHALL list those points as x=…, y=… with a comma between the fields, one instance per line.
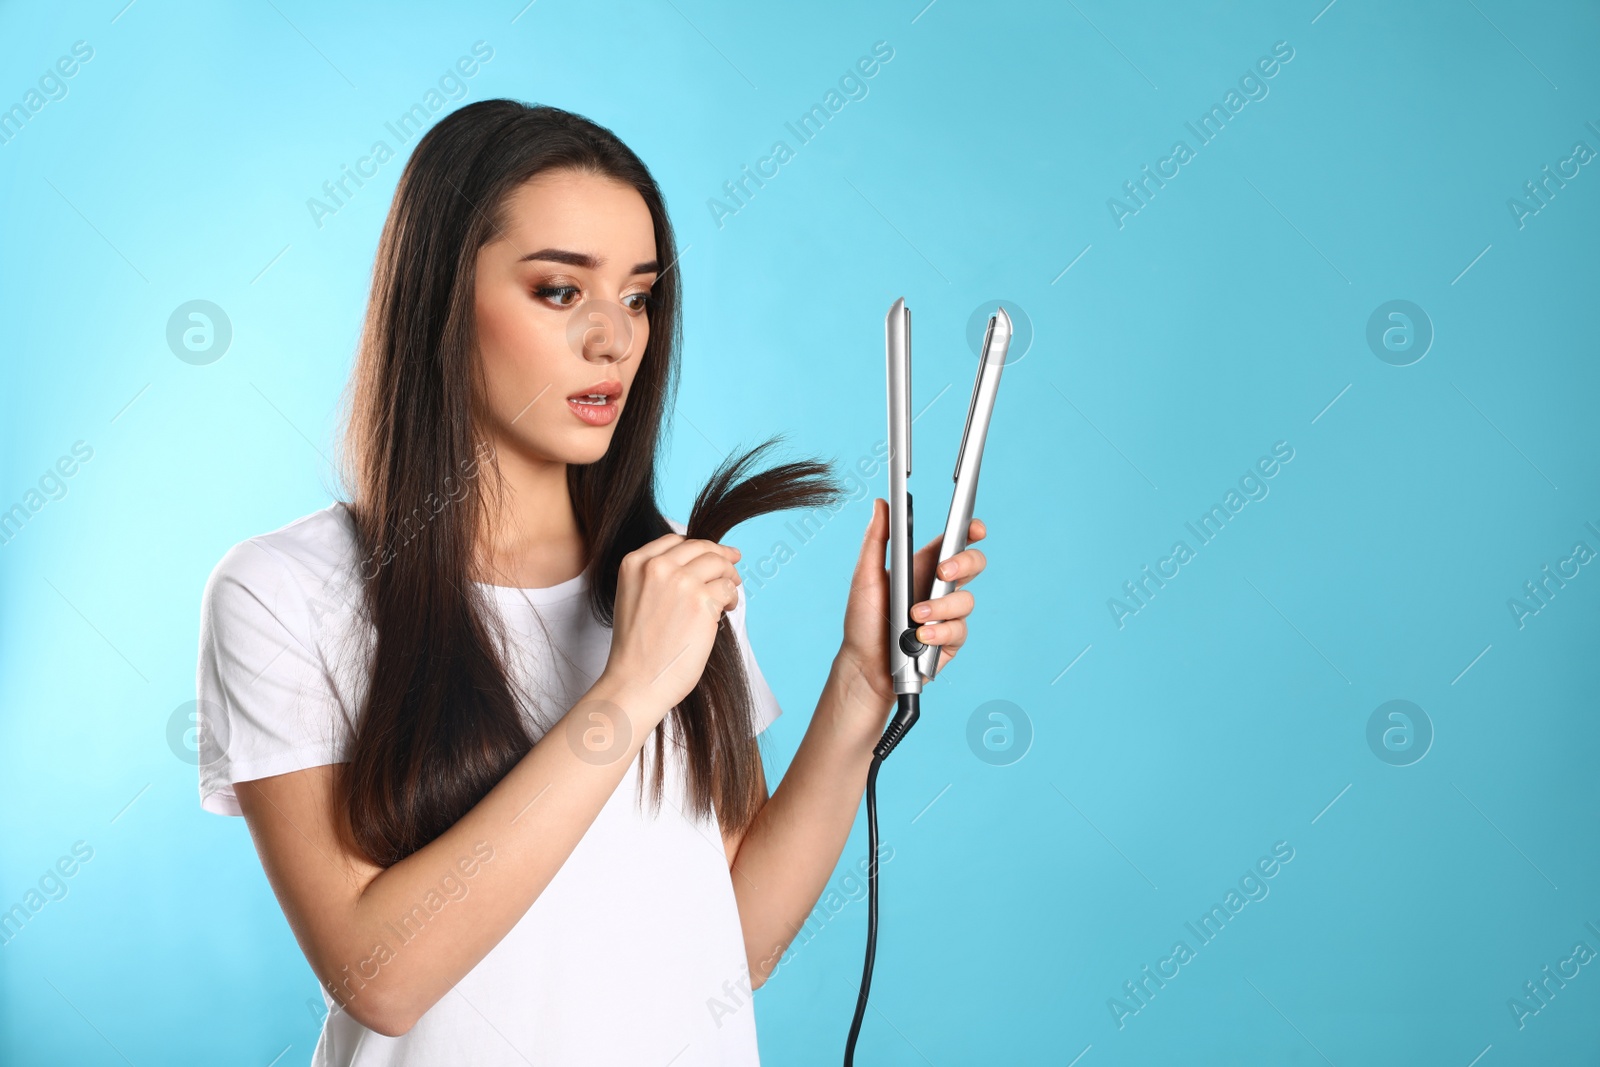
x=1207, y=128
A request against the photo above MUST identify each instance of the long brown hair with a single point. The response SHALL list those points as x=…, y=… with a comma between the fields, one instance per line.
x=440, y=725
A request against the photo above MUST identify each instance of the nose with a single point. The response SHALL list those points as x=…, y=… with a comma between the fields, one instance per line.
x=601, y=332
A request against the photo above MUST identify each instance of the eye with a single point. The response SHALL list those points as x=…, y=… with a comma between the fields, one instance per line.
x=558, y=294
x=637, y=301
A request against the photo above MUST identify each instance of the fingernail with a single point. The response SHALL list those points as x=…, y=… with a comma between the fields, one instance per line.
x=920, y=611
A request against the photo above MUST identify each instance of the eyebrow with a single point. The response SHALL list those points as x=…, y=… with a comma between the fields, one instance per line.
x=585, y=260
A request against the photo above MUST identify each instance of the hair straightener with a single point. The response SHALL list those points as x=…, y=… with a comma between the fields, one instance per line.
x=912, y=663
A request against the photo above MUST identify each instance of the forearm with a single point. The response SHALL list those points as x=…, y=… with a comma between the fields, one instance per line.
x=513, y=842
x=791, y=848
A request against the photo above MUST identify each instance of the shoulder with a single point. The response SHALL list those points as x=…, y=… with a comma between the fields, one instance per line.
x=300, y=581
x=307, y=565
x=273, y=686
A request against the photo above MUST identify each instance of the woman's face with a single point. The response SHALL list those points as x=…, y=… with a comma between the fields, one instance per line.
x=562, y=296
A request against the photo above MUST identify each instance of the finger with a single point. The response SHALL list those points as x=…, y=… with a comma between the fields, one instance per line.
x=950, y=606
x=724, y=592
x=709, y=567
x=964, y=566
x=690, y=548
x=871, y=575
x=952, y=633
x=874, y=544
x=923, y=567
x=959, y=568
x=652, y=549
x=976, y=531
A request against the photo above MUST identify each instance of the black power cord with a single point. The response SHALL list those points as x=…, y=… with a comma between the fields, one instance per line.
x=906, y=714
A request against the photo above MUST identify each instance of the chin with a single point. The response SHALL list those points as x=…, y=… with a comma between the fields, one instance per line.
x=591, y=450
x=577, y=447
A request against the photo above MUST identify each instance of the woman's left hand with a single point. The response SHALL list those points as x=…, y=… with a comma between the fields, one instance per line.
x=939, y=622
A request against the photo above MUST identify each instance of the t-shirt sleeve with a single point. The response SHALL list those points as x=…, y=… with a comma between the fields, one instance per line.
x=266, y=703
x=766, y=709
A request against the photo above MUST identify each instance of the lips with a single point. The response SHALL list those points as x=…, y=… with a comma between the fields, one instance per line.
x=596, y=405
x=598, y=393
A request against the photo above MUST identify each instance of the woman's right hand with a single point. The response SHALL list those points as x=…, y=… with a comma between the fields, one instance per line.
x=671, y=595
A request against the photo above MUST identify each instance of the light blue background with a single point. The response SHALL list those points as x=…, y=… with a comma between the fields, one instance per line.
x=1224, y=317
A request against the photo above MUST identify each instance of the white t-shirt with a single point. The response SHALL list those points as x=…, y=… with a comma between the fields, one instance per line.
x=633, y=954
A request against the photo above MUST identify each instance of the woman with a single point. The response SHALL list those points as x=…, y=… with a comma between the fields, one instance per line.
x=425, y=702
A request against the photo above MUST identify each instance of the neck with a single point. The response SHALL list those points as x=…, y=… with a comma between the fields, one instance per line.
x=530, y=536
